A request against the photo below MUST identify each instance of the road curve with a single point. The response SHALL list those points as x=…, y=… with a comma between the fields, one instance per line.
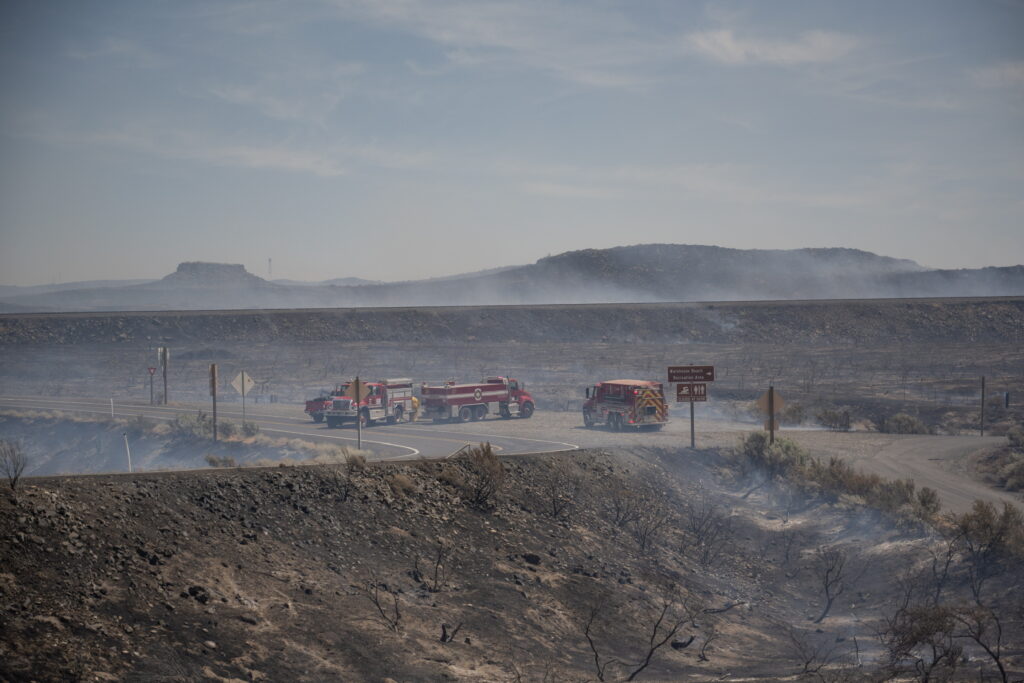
x=403, y=441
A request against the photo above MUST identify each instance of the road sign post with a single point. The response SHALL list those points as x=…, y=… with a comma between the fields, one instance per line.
x=691, y=387
x=163, y=354
x=692, y=393
x=693, y=431
x=771, y=403
x=356, y=392
x=242, y=384
x=152, y=371
x=213, y=393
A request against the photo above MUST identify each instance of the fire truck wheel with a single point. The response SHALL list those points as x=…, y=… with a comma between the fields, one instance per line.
x=465, y=413
x=505, y=412
x=331, y=423
x=526, y=410
x=479, y=412
x=615, y=422
x=397, y=417
x=318, y=418
x=364, y=418
x=588, y=420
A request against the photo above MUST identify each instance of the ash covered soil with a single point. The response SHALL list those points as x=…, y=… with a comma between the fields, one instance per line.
x=273, y=573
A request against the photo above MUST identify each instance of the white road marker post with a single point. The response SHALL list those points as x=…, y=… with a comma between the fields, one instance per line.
x=127, y=450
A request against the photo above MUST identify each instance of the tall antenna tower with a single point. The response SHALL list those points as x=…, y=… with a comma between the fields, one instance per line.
x=270, y=268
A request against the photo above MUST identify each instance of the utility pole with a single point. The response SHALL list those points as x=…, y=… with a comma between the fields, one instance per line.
x=213, y=393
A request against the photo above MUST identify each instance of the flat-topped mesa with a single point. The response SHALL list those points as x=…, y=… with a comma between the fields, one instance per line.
x=202, y=273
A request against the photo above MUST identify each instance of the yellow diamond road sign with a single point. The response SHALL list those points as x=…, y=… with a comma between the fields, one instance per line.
x=357, y=390
x=777, y=403
x=243, y=383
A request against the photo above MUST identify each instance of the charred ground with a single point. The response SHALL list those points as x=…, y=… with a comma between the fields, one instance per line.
x=362, y=573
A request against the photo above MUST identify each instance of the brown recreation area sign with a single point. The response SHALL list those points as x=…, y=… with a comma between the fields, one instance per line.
x=691, y=373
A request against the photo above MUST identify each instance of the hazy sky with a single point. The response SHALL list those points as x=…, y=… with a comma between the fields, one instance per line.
x=397, y=139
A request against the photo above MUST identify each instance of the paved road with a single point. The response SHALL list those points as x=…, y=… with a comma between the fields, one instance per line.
x=391, y=442
x=939, y=462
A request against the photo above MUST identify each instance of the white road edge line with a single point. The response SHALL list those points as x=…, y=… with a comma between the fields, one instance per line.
x=414, y=453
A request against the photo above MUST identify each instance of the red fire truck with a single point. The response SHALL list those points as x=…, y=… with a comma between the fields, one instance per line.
x=388, y=399
x=461, y=402
x=316, y=407
x=625, y=403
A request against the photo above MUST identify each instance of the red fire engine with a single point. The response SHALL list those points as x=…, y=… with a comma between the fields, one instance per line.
x=461, y=402
x=316, y=407
x=389, y=399
x=624, y=403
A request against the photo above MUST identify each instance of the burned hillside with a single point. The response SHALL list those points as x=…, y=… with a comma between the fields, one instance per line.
x=570, y=566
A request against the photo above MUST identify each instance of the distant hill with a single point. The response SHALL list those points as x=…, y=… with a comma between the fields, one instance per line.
x=641, y=273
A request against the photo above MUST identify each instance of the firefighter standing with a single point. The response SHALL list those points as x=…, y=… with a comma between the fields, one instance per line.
x=415, y=409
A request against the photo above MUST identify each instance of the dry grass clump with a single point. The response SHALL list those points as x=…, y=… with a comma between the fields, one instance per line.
x=401, y=485
x=224, y=461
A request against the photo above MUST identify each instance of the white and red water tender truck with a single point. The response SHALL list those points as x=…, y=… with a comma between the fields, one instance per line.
x=626, y=403
x=388, y=399
x=451, y=402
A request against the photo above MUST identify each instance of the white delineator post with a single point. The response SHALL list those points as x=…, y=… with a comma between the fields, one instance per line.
x=127, y=450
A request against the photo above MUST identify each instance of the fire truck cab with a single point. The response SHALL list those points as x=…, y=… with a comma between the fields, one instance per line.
x=626, y=403
x=389, y=400
x=317, y=407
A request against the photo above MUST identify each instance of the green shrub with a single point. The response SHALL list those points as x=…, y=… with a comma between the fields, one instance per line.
x=225, y=429
x=901, y=423
x=1016, y=438
x=225, y=461
x=192, y=426
x=1012, y=474
x=836, y=420
x=250, y=429
x=928, y=503
x=835, y=478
